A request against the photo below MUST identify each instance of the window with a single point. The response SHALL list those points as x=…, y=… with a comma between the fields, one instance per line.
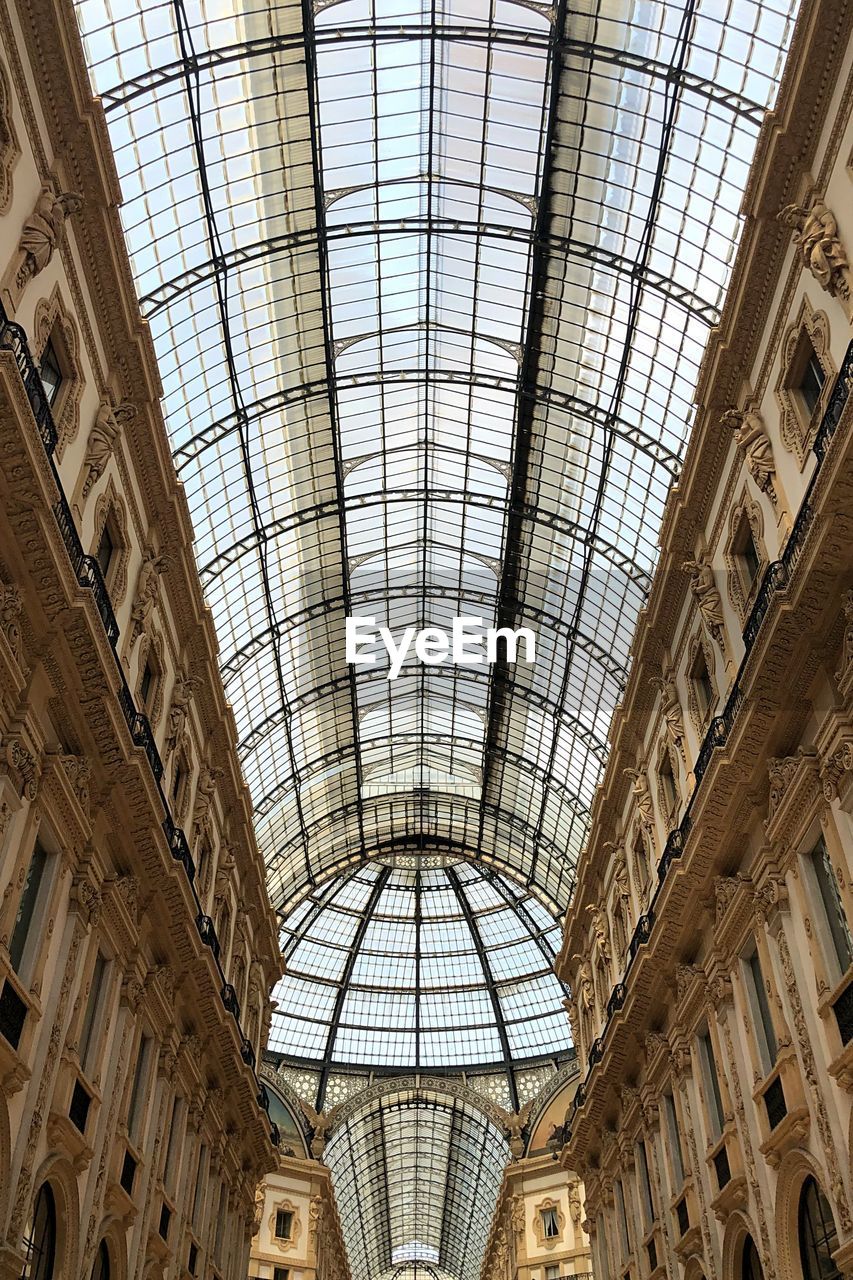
x=746, y=552
x=220, y=1222
x=283, y=1224
x=833, y=908
x=669, y=790
x=105, y=550
x=645, y=1186
x=50, y=372
x=622, y=1218
x=88, y=1039
x=765, y=1033
x=199, y=1184
x=40, y=1240
x=30, y=898
x=713, y=1100
x=811, y=380
x=675, y=1153
x=281, y=1273
x=702, y=684
x=178, y=781
x=173, y=1144
x=136, y=1109
x=101, y=1269
x=817, y=1233
x=146, y=684
x=750, y=1268
x=552, y=1272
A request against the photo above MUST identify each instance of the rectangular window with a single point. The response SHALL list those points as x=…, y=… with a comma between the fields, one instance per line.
x=199, y=1185
x=281, y=1273
x=283, y=1224
x=145, y=684
x=833, y=909
x=173, y=1145
x=220, y=1222
x=552, y=1272
x=30, y=898
x=622, y=1218
x=88, y=1034
x=711, y=1080
x=136, y=1109
x=645, y=1186
x=675, y=1153
x=104, y=553
x=765, y=1033
x=50, y=372
x=811, y=383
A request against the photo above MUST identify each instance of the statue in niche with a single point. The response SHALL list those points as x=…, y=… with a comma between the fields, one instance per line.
x=101, y=443
x=642, y=796
x=44, y=231
x=147, y=591
x=179, y=711
x=816, y=236
x=599, y=928
x=754, y=443
x=672, y=713
x=708, y=599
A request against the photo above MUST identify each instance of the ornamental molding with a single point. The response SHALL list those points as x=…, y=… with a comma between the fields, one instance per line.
x=11, y=608
x=548, y=1242
x=812, y=327
x=21, y=765
x=54, y=321
x=795, y=788
x=741, y=594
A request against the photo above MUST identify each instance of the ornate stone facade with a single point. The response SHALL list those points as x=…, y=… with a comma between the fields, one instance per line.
x=718, y=1054
x=128, y=1089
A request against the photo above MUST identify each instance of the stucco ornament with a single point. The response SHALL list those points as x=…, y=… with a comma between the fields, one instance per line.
x=100, y=446
x=753, y=442
x=642, y=796
x=147, y=592
x=44, y=231
x=707, y=596
x=816, y=236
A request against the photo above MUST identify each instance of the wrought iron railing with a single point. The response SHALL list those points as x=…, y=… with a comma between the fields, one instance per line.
x=87, y=571
x=776, y=578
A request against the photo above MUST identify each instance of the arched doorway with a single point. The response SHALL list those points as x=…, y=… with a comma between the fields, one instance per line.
x=817, y=1234
x=750, y=1268
x=40, y=1237
x=101, y=1267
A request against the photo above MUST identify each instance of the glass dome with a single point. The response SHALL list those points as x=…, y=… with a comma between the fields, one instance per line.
x=423, y=963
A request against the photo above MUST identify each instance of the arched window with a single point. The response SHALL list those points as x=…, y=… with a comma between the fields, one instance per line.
x=101, y=1269
x=817, y=1234
x=40, y=1241
x=751, y=1263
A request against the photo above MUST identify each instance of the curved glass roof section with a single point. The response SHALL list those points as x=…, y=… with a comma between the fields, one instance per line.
x=407, y=965
x=416, y=1178
x=429, y=282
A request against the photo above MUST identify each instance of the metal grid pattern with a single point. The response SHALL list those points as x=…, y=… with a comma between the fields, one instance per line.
x=400, y=967
x=429, y=282
x=416, y=1178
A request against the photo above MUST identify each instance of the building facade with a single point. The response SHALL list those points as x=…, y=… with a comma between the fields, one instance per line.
x=708, y=947
x=137, y=944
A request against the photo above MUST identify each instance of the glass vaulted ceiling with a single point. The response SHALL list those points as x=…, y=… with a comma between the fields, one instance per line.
x=429, y=282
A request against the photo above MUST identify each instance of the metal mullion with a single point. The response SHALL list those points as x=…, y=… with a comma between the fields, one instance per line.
x=312, y=86
x=471, y=922
x=513, y=523
x=474, y=297
x=157, y=77
x=426, y=391
x=192, y=90
x=366, y=914
x=521, y=911
x=634, y=434
x=654, y=203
